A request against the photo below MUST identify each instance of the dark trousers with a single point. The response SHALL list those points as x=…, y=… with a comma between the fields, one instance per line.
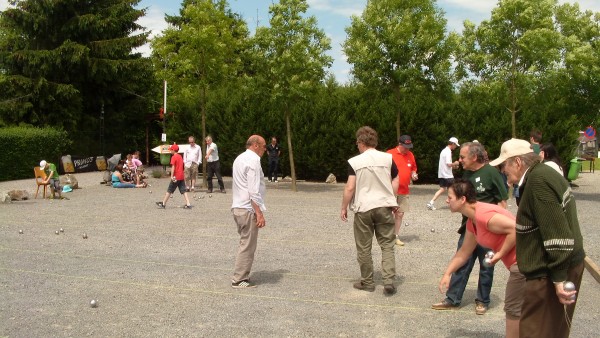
x=542, y=315
x=214, y=168
x=273, y=166
x=459, y=279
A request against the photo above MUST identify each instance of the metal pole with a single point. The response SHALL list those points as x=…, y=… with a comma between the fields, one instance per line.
x=102, y=128
x=164, y=106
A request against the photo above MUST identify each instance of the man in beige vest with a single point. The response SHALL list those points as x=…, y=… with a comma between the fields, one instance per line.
x=372, y=181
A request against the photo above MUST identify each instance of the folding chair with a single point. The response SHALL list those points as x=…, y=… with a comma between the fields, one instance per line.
x=40, y=177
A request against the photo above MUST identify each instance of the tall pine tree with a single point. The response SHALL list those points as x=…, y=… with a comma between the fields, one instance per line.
x=71, y=64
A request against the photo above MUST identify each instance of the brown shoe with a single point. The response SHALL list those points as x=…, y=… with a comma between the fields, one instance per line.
x=480, y=308
x=361, y=286
x=444, y=305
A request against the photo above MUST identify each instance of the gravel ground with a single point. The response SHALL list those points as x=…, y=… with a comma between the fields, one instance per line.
x=167, y=272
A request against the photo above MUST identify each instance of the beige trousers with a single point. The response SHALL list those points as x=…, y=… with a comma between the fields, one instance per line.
x=248, y=231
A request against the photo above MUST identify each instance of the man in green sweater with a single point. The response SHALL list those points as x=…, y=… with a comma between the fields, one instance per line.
x=549, y=242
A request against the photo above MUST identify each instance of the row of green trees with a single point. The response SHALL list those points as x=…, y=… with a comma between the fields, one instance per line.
x=534, y=64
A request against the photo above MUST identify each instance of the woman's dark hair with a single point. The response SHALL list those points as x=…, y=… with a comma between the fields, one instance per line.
x=550, y=153
x=119, y=168
x=464, y=188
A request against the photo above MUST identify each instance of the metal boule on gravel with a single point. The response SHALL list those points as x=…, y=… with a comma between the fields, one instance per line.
x=405, y=224
x=432, y=230
x=209, y=196
x=93, y=303
x=150, y=191
x=57, y=232
x=62, y=230
x=20, y=232
x=84, y=236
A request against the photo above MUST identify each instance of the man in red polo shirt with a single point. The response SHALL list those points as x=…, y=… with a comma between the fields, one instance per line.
x=407, y=171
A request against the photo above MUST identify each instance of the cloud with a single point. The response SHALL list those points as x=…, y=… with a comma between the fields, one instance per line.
x=345, y=8
x=3, y=5
x=479, y=6
x=153, y=21
x=593, y=5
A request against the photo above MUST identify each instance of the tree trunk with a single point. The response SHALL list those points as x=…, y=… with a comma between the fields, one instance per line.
x=513, y=109
x=290, y=152
x=513, y=94
x=398, y=125
x=203, y=143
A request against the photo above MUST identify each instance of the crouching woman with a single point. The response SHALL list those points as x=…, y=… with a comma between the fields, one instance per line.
x=118, y=181
x=493, y=227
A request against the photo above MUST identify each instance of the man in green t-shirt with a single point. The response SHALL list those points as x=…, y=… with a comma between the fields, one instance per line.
x=52, y=178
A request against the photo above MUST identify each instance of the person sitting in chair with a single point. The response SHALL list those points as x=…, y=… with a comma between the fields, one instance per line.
x=52, y=178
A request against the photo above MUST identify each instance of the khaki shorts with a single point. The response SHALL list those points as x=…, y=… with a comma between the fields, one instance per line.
x=191, y=172
x=513, y=296
x=403, y=205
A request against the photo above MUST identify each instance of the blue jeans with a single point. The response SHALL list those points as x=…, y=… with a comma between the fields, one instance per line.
x=459, y=279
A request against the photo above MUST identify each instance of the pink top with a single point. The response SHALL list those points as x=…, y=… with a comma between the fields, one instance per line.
x=136, y=162
x=486, y=238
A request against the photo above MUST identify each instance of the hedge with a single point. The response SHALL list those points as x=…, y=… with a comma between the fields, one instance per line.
x=24, y=147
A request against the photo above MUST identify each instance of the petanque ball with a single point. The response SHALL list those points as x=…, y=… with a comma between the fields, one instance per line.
x=84, y=236
x=56, y=232
x=489, y=254
x=432, y=230
x=62, y=230
x=487, y=262
x=20, y=232
x=569, y=286
x=93, y=303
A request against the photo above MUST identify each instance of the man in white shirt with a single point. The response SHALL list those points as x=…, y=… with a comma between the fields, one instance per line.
x=248, y=189
x=192, y=157
x=213, y=166
x=445, y=166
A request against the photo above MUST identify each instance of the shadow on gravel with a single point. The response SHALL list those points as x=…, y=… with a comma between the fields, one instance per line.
x=410, y=238
x=269, y=277
x=586, y=196
x=467, y=334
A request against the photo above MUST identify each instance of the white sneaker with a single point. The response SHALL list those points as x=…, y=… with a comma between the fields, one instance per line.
x=430, y=206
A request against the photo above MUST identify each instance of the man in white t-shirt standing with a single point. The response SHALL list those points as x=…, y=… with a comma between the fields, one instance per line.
x=445, y=167
x=192, y=158
x=213, y=166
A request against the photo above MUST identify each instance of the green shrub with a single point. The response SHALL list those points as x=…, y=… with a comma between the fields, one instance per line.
x=24, y=147
x=157, y=173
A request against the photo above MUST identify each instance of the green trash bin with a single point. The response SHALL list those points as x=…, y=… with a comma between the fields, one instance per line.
x=165, y=159
x=574, y=169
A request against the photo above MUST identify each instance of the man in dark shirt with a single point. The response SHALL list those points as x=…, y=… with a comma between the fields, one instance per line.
x=274, y=153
